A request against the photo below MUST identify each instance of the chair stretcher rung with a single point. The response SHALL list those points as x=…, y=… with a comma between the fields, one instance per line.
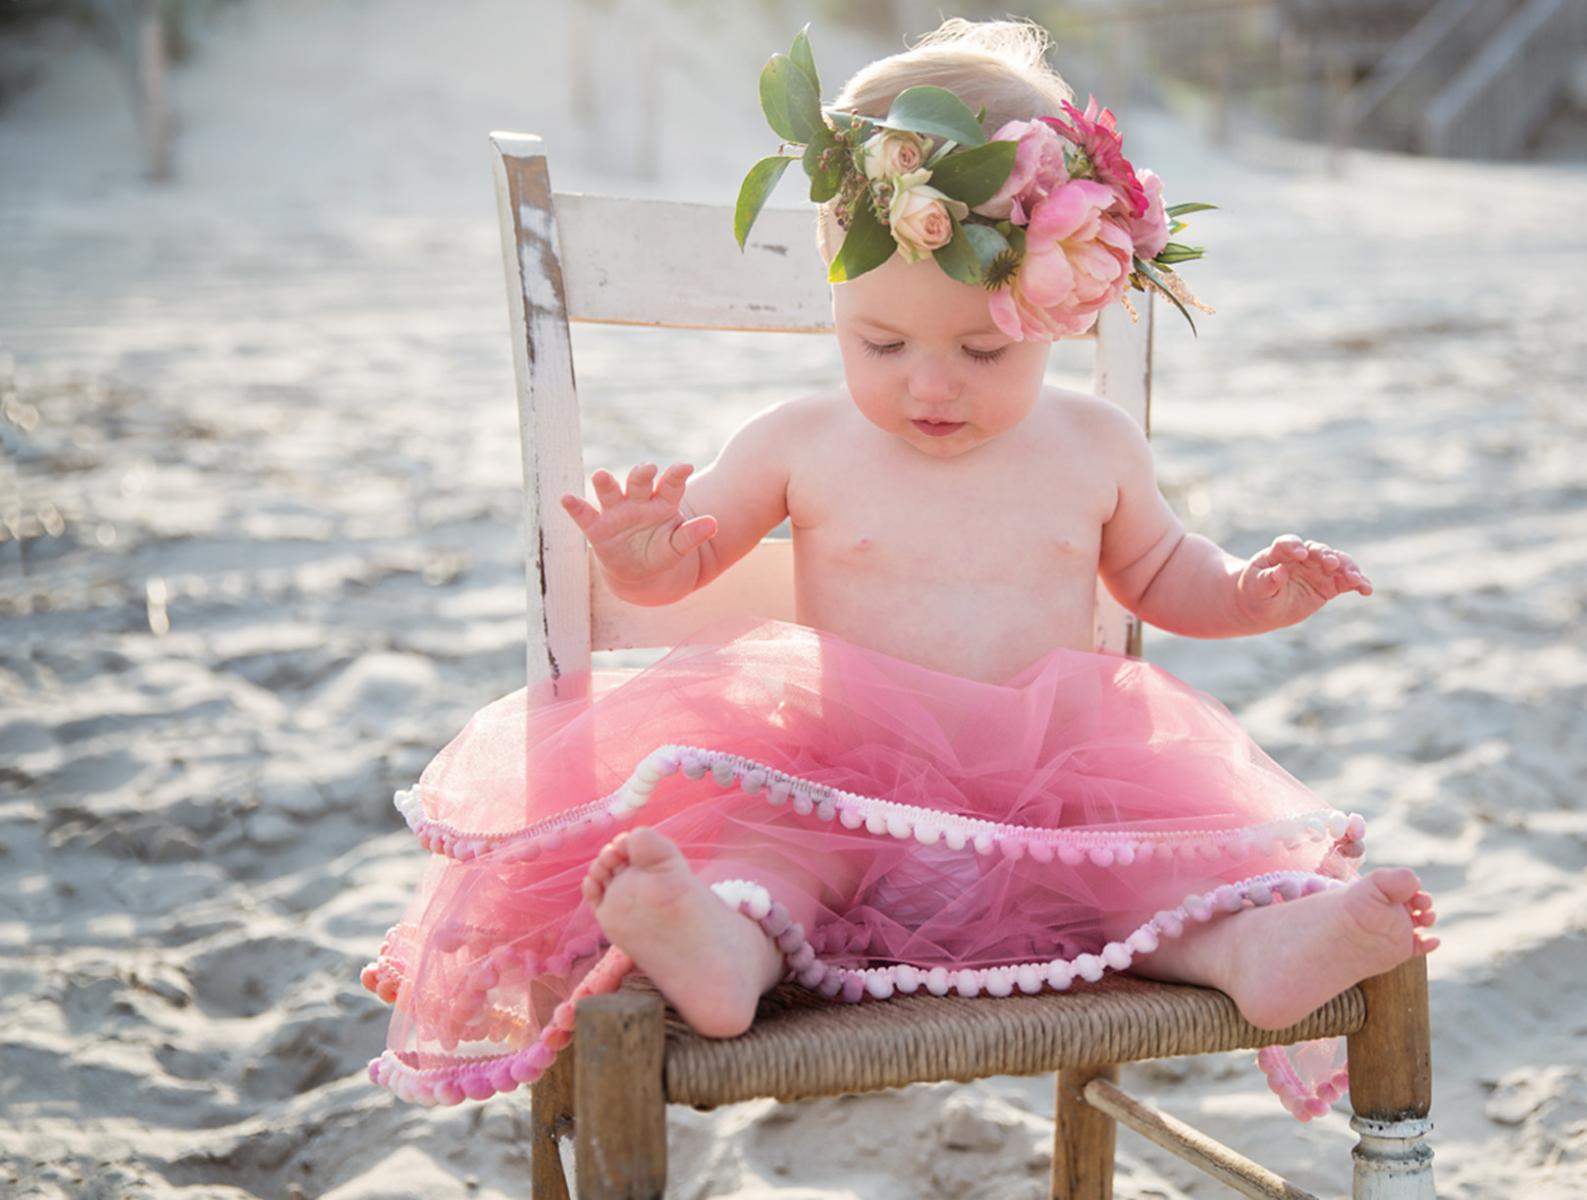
x=1200, y=1151
x=802, y=1045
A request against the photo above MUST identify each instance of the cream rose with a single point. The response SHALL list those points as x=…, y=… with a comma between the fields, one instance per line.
x=918, y=215
x=893, y=152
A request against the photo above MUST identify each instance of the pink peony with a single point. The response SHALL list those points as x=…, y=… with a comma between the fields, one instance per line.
x=1150, y=232
x=1038, y=169
x=1077, y=261
x=1097, y=136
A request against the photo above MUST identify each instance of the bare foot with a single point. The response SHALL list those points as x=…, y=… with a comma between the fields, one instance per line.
x=1287, y=960
x=709, y=961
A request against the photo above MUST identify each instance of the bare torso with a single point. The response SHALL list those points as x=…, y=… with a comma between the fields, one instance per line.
x=978, y=564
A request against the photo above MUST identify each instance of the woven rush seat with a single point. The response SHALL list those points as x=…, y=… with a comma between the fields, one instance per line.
x=804, y=1045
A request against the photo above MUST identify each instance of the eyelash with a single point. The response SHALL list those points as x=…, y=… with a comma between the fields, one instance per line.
x=986, y=357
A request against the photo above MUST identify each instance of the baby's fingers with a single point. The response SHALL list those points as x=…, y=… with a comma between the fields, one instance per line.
x=1270, y=581
x=639, y=479
x=671, y=484
x=584, y=513
x=607, y=490
x=1287, y=548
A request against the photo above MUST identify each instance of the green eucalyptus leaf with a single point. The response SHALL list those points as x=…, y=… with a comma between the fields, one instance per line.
x=866, y=246
x=791, y=105
x=986, y=241
x=1180, y=210
x=1174, y=252
x=752, y=193
x=803, y=59
x=824, y=182
x=936, y=112
x=1142, y=266
x=974, y=175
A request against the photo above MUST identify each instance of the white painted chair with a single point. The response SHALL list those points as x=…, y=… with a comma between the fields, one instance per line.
x=641, y=262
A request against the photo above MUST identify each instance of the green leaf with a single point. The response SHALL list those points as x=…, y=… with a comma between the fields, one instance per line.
x=974, y=175
x=971, y=251
x=957, y=258
x=866, y=246
x=1145, y=269
x=937, y=112
x=1173, y=252
x=791, y=105
x=803, y=59
x=987, y=243
x=752, y=193
x=824, y=183
x=1180, y=210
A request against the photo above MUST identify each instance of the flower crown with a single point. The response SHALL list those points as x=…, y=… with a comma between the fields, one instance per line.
x=1048, y=215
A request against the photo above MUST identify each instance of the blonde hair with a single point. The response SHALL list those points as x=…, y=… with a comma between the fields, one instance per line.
x=999, y=64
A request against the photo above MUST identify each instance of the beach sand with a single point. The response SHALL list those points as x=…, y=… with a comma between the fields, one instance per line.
x=261, y=421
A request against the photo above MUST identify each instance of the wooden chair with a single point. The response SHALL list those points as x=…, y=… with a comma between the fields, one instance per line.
x=588, y=258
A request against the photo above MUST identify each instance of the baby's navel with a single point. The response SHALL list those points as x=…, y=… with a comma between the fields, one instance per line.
x=863, y=544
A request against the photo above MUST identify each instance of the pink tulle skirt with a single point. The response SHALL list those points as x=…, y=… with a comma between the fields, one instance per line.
x=894, y=827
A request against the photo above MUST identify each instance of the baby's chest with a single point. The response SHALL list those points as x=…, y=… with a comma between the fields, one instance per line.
x=977, y=531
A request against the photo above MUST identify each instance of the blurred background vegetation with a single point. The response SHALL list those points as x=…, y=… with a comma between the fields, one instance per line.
x=1499, y=79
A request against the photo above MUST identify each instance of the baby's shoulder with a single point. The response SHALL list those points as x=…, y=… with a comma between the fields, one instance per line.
x=1082, y=418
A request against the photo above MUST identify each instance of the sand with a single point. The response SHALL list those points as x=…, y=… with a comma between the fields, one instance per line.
x=260, y=419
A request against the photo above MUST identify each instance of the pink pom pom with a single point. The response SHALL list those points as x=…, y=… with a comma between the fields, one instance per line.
x=1041, y=852
x=524, y=1071
x=374, y=1070
x=1356, y=827
x=1101, y=856
x=500, y=1077
x=563, y=1016
x=1071, y=856
x=448, y=1092
x=812, y=975
x=556, y=1038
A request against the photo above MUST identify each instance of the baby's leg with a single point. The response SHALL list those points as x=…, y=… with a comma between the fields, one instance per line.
x=710, y=962
x=1280, y=962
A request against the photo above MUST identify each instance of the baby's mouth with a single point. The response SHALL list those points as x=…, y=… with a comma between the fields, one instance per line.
x=935, y=428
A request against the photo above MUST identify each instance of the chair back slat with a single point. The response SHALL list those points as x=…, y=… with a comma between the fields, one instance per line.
x=650, y=262
x=660, y=262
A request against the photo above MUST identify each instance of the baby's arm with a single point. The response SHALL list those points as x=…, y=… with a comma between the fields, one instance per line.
x=1187, y=584
x=657, y=546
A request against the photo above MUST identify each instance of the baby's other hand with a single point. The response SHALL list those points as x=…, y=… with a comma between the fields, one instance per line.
x=1293, y=578
x=638, y=532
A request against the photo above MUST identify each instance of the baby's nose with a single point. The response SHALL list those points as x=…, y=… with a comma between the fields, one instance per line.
x=933, y=381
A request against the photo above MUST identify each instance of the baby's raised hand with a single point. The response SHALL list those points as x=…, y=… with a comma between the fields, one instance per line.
x=638, y=532
x=1293, y=578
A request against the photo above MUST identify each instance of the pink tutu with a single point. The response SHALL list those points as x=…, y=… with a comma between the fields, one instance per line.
x=935, y=833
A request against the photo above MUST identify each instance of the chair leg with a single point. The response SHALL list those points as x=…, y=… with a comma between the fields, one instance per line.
x=1391, y=1087
x=550, y=1119
x=1082, y=1159
x=619, y=1097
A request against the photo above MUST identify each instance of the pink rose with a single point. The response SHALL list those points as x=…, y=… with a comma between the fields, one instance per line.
x=1150, y=232
x=918, y=216
x=892, y=152
x=1038, y=169
x=1077, y=261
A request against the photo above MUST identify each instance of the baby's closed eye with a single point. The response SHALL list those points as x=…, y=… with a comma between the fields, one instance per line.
x=884, y=349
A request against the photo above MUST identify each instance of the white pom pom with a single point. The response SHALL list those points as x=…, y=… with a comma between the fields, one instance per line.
x=967, y=983
x=953, y=837
x=1116, y=955
x=927, y=835
x=1338, y=823
x=827, y=809
x=999, y=982
x=1088, y=967
x=875, y=822
x=850, y=816
x=777, y=793
x=983, y=842
x=937, y=981
x=906, y=978
x=898, y=826
x=722, y=772
x=1142, y=941
x=1028, y=978
x=1042, y=852
x=1060, y=973
x=879, y=985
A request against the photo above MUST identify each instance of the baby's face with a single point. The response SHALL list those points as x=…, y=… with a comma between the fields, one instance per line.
x=924, y=361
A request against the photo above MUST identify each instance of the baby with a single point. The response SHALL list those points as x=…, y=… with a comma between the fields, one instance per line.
x=950, y=509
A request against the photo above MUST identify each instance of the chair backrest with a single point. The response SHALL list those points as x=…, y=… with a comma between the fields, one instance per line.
x=572, y=257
